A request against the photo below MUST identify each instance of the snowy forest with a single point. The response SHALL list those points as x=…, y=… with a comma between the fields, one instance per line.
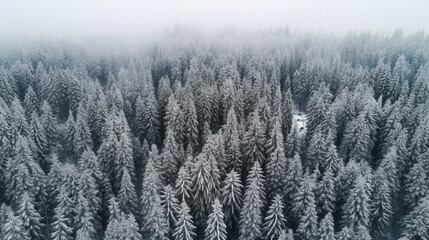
x=267, y=134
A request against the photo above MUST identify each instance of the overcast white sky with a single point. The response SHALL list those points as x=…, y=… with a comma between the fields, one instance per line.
x=67, y=18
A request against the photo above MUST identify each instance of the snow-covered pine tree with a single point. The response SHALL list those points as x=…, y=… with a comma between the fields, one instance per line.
x=49, y=123
x=274, y=221
x=115, y=218
x=127, y=197
x=276, y=165
x=82, y=136
x=171, y=206
x=232, y=142
x=231, y=198
x=326, y=227
x=251, y=216
x=154, y=225
x=416, y=223
x=32, y=220
x=183, y=184
x=185, y=229
x=305, y=209
x=253, y=143
x=356, y=209
x=216, y=228
x=170, y=158
x=14, y=228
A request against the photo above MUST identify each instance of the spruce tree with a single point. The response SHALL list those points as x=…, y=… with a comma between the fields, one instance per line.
x=415, y=223
x=356, y=209
x=251, y=216
x=231, y=198
x=127, y=197
x=185, y=229
x=183, y=184
x=305, y=209
x=170, y=158
x=62, y=228
x=274, y=221
x=115, y=218
x=82, y=136
x=276, y=165
x=287, y=112
x=14, y=228
x=216, y=228
x=30, y=217
x=171, y=206
x=326, y=228
x=253, y=143
x=232, y=142
x=151, y=120
x=49, y=123
x=154, y=224
x=39, y=138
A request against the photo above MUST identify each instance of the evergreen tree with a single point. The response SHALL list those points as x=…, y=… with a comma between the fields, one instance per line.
x=130, y=229
x=62, y=228
x=253, y=143
x=415, y=185
x=251, y=216
x=191, y=124
x=231, y=193
x=287, y=112
x=170, y=158
x=185, y=229
x=23, y=173
x=84, y=218
x=416, y=222
x=356, y=141
x=286, y=235
x=276, y=165
x=115, y=218
x=18, y=118
x=216, y=228
x=154, y=224
x=356, y=208
x=344, y=234
x=70, y=132
x=31, y=103
x=82, y=136
x=49, y=123
x=123, y=159
x=171, y=206
x=39, y=138
x=362, y=233
x=293, y=180
x=205, y=181
x=30, y=217
x=274, y=221
x=232, y=142
x=381, y=208
x=183, y=184
x=151, y=120
x=7, y=92
x=305, y=208
x=127, y=197
x=326, y=192
x=304, y=197
x=174, y=119
x=14, y=228
x=326, y=228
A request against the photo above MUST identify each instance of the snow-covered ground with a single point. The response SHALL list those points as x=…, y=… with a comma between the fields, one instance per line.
x=300, y=121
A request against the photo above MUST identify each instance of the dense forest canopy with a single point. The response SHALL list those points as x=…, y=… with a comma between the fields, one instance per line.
x=196, y=136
